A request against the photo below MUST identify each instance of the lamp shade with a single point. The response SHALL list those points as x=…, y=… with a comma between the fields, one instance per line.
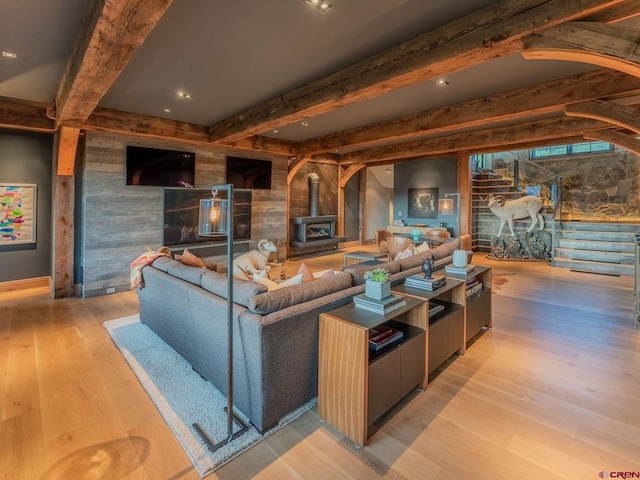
x=213, y=217
x=445, y=206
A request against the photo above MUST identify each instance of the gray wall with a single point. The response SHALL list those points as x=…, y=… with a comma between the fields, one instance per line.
x=440, y=174
x=379, y=199
x=26, y=157
x=120, y=222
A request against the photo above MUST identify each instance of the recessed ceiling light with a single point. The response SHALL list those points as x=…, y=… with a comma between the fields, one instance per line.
x=184, y=95
x=304, y=124
x=442, y=82
x=7, y=54
x=167, y=110
x=275, y=131
x=320, y=4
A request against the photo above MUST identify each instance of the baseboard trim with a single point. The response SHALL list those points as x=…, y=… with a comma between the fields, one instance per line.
x=15, y=285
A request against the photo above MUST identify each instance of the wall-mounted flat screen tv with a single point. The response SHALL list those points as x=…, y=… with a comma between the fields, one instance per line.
x=181, y=208
x=160, y=168
x=248, y=173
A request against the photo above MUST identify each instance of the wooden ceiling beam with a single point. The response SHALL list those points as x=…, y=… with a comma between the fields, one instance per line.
x=67, y=146
x=113, y=121
x=491, y=32
x=617, y=13
x=621, y=115
x=110, y=34
x=609, y=46
x=497, y=138
x=623, y=140
x=25, y=117
x=544, y=98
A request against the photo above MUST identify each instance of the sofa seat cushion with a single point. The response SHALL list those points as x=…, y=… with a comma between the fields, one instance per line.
x=272, y=301
x=357, y=271
x=243, y=290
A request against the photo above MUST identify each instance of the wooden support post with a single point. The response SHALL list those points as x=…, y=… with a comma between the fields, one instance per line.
x=465, y=180
x=63, y=226
x=67, y=146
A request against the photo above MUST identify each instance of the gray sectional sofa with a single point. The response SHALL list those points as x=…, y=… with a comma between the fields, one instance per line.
x=275, y=332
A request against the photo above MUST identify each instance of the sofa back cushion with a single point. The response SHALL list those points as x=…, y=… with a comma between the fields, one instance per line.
x=445, y=249
x=183, y=272
x=216, y=283
x=274, y=300
x=414, y=261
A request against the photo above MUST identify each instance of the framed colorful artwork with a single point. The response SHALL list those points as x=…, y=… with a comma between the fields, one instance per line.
x=423, y=202
x=17, y=213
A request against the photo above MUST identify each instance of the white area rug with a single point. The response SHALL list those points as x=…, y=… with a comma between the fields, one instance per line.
x=182, y=396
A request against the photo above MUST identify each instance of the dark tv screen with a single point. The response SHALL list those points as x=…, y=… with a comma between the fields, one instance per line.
x=181, y=212
x=160, y=168
x=248, y=173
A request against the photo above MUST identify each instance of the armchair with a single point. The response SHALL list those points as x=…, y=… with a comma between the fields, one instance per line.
x=396, y=244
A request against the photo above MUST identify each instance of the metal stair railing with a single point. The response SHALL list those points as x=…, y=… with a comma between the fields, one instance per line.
x=553, y=180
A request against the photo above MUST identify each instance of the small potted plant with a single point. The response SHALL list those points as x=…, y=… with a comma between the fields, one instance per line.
x=377, y=284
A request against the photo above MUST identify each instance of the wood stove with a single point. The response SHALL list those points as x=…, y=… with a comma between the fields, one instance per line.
x=308, y=231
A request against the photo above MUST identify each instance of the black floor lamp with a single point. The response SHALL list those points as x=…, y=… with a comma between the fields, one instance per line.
x=216, y=218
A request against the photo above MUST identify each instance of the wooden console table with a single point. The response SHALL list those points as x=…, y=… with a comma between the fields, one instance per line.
x=356, y=385
x=445, y=334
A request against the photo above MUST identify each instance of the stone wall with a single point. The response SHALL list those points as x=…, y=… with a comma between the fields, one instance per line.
x=596, y=187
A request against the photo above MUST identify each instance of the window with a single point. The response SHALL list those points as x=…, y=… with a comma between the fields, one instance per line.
x=571, y=149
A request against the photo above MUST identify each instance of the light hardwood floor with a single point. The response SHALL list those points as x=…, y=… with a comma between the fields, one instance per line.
x=552, y=392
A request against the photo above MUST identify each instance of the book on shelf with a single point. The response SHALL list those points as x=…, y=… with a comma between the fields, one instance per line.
x=384, y=306
x=466, y=270
x=435, y=307
x=477, y=288
x=382, y=335
x=430, y=284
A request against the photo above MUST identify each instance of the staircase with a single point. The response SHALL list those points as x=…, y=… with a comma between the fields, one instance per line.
x=606, y=248
x=485, y=224
x=595, y=247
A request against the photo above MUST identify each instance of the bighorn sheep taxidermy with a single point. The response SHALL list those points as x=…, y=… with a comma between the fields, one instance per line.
x=254, y=261
x=510, y=210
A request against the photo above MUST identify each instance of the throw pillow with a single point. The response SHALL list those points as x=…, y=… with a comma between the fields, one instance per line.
x=406, y=253
x=295, y=280
x=188, y=258
x=328, y=273
x=307, y=275
x=423, y=247
x=271, y=285
x=323, y=274
x=263, y=280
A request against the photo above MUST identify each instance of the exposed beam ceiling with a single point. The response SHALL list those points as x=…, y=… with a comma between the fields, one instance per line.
x=488, y=33
x=545, y=98
x=496, y=137
x=536, y=28
x=110, y=34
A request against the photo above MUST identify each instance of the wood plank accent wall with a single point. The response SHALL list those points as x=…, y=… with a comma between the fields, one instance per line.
x=120, y=222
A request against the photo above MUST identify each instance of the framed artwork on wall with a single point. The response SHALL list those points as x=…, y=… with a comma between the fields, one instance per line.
x=423, y=203
x=17, y=213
